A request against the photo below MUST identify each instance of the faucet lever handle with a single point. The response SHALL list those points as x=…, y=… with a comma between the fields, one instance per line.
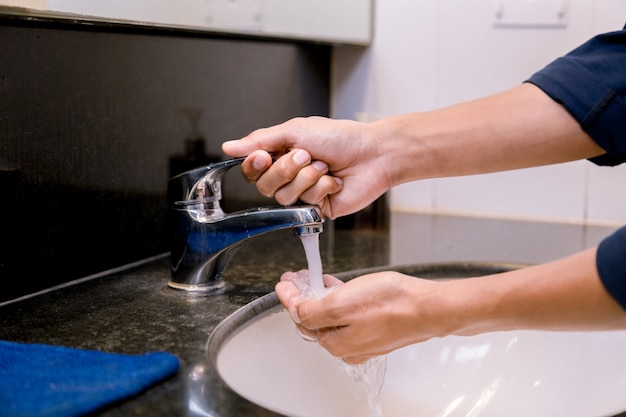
x=200, y=189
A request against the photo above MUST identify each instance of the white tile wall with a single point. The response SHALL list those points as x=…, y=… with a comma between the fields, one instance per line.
x=431, y=53
x=420, y=194
x=545, y=192
x=606, y=200
x=423, y=238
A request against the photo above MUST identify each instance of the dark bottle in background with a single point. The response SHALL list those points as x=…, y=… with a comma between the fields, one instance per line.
x=194, y=150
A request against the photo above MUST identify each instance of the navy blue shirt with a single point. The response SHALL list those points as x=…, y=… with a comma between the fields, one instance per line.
x=590, y=82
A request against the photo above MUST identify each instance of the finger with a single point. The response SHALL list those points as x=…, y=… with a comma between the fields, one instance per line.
x=357, y=360
x=305, y=178
x=289, y=295
x=342, y=343
x=278, y=138
x=241, y=147
x=330, y=338
x=331, y=281
x=254, y=141
x=318, y=194
x=255, y=165
x=289, y=276
x=307, y=334
x=325, y=312
x=282, y=171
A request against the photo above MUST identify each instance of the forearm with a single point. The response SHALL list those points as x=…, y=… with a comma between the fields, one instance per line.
x=563, y=295
x=524, y=128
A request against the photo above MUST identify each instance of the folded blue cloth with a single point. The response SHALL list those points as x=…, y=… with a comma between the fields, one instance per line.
x=42, y=380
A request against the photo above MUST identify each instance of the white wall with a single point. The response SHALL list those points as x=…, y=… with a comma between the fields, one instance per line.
x=431, y=53
x=33, y=4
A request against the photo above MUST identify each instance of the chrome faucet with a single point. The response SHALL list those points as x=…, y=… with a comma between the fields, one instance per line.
x=204, y=238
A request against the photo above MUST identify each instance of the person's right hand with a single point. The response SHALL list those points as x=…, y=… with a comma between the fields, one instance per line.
x=335, y=164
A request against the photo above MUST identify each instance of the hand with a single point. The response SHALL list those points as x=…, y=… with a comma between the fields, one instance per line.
x=343, y=166
x=330, y=163
x=374, y=314
x=365, y=317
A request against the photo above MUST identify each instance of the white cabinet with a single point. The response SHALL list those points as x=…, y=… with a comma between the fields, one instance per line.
x=328, y=20
x=332, y=21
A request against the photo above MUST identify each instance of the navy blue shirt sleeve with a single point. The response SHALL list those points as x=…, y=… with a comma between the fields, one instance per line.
x=611, y=264
x=590, y=82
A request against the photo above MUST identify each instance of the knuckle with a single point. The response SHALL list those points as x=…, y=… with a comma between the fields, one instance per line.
x=284, y=170
x=284, y=199
x=315, y=194
x=257, y=133
x=295, y=120
x=264, y=189
x=312, y=174
x=309, y=195
x=330, y=184
x=327, y=342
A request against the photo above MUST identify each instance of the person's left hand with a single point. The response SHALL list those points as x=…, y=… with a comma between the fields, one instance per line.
x=368, y=316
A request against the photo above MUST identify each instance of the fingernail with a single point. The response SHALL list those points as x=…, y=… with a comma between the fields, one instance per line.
x=320, y=165
x=293, y=312
x=300, y=157
x=288, y=276
x=258, y=163
x=339, y=180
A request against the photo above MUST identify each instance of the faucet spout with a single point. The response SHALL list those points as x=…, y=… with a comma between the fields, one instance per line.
x=205, y=239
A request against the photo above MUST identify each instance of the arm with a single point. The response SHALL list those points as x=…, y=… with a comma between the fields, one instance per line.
x=521, y=127
x=563, y=295
x=518, y=128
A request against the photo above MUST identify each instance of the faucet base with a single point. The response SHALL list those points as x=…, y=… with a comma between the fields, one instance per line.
x=197, y=289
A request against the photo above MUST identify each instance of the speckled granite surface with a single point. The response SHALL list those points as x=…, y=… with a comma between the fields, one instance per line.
x=132, y=312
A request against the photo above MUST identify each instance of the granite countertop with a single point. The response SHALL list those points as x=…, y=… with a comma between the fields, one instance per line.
x=133, y=312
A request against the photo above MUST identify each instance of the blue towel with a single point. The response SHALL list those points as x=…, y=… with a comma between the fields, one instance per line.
x=42, y=380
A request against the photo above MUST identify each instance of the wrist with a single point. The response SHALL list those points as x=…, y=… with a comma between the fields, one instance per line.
x=404, y=152
x=462, y=307
x=444, y=307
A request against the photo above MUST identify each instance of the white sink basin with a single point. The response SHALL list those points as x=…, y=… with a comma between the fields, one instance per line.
x=505, y=374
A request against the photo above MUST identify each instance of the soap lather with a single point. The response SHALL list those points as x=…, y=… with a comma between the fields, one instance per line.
x=205, y=238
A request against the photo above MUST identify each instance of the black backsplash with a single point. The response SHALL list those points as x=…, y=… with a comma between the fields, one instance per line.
x=92, y=117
